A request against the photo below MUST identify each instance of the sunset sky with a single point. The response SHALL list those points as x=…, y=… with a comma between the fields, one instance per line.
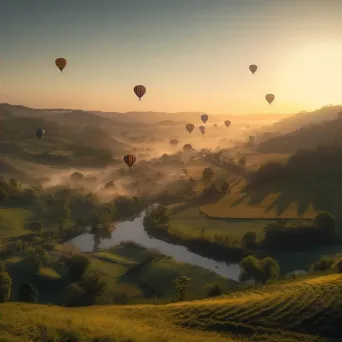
x=192, y=55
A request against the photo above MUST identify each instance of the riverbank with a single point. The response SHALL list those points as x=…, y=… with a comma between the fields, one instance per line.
x=205, y=248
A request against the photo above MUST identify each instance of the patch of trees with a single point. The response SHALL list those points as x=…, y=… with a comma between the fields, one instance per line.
x=261, y=270
x=5, y=284
x=326, y=264
x=295, y=234
x=86, y=286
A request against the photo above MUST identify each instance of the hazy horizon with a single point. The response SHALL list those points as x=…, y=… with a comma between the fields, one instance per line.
x=192, y=55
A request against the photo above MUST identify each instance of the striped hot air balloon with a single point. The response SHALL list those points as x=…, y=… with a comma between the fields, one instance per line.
x=130, y=159
x=140, y=91
x=61, y=63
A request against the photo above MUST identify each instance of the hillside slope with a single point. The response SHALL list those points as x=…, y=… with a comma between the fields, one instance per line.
x=289, y=311
x=310, y=136
x=301, y=119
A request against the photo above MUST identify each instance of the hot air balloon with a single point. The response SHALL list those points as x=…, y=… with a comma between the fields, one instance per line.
x=227, y=123
x=269, y=98
x=253, y=68
x=202, y=129
x=215, y=125
x=40, y=133
x=61, y=63
x=140, y=91
x=189, y=127
x=130, y=160
x=173, y=142
x=187, y=147
x=204, y=118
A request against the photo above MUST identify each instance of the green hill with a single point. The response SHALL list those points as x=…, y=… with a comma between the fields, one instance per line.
x=299, y=310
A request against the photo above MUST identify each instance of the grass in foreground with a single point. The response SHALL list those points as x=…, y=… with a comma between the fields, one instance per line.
x=142, y=285
x=289, y=311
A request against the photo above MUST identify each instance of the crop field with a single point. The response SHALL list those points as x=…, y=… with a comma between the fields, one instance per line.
x=289, y=311
x=192, y=223
x=273, y=206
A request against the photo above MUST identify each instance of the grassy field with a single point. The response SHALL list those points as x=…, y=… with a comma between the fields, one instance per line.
x=192, y=223
x=285, y=312
x=12, y=221
x=240, y=205
x=115, y=266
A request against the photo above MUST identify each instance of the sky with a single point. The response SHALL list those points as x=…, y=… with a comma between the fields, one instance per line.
x=192, y=55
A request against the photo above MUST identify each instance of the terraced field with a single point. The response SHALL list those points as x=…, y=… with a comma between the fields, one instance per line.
x=240, y=205
x=285, y=312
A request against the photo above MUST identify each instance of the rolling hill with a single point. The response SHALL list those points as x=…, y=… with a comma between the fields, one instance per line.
x=309, y=136
x=301, y=119
x=305, y=310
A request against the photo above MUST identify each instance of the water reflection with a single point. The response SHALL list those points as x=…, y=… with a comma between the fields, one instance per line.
x=134, y=231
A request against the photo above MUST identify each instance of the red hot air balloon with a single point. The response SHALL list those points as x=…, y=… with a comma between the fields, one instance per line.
x=130, y=160
x=269, y=98
x=140, y=91
x=187, y=147
x=227, y=123
x=61, y=63
x=253, y=68
x=189, y=127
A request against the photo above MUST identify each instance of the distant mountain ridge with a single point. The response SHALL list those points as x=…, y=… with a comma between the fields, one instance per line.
x=139, y=117
x=301, y=119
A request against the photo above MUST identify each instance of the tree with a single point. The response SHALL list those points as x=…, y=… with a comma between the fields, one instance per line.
x=28, y=293
x=321, y=265
x=207, y=176
x=2, y=266
x=225, y=188
x=249, y=240
x=251, y=268
x=77, y=176
x=5, y=287
x=36, y=226
x=327, y=224
x=242, y=161
x=92, y=286
x=74, y=295
x=214, y=290
x=271, y=269
x=76, y=266
x=338, y=266
x=182, y=286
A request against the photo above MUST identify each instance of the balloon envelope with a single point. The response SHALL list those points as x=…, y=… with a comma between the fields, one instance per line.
x=204, y=118
x=130, y=159
x=227, y=123
x=253, y=68
x=189, y=127
x=140, y=91
x=61, y=63
x=269, y=98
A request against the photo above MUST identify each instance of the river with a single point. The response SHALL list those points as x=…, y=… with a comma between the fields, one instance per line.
x=134, y=231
